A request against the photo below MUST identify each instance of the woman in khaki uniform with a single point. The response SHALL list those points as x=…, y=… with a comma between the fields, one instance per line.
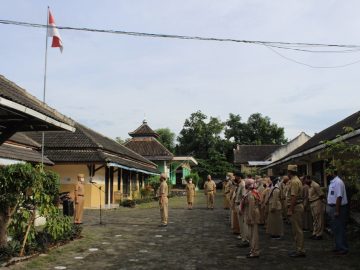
x=275, y=225
x=252, y=217
x=190, y=193
x=79, y=199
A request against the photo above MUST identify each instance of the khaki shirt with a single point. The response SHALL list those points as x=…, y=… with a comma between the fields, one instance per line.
x=251, y=209
x=79, y=189
x=274, y=199
x=190, y=189
x=295, y=189
x=163, y=189
x=209, y=186
x=315, y=192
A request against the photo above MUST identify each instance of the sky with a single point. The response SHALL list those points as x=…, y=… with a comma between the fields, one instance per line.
x=110, y=83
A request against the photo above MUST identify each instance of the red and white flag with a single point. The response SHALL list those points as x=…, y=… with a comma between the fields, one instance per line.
x=54, y=33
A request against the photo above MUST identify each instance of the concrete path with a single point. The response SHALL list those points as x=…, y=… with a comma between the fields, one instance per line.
x=194, y=239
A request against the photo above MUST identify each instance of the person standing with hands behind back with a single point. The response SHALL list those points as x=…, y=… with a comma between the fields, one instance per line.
x=163, y=200
x=190, y=193
x=79, y=199
x=210, y=190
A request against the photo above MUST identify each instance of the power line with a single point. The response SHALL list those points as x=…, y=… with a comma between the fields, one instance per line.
x=272, y=45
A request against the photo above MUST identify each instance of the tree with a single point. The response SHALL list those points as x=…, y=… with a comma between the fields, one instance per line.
x=257, y=130
x=121, y=141
x=203, y=140
x=167, y=138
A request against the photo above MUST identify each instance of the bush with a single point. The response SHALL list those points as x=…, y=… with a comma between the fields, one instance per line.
x=128, y=203
x=147, y=192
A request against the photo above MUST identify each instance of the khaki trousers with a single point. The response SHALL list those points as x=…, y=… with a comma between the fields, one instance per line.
x=210, y=199
x=296, y=223
x=164, y=210
x=254, y=239
x=79, y=209
x=244, y=231
x=318, y=211
x=236, y=227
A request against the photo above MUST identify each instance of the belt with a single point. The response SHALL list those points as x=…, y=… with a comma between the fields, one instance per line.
x=333, y=205
x=81, y=195
x=314, y=200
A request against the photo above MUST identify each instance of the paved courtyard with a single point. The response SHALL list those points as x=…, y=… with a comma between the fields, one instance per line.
x=197, y=239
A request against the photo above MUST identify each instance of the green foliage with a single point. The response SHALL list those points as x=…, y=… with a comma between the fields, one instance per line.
x=59, y=227
x=128, y=203
x=167, y=138
x=154, y=182
x=146, y=192
x=195, y=178
x=257, y=130
x=345, y=157
x=24, y=191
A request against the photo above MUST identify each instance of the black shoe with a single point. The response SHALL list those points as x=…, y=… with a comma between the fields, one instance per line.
x=244, y=245
x=275, y=237
x=319, y=237
x=163, y=225
x=296, y=254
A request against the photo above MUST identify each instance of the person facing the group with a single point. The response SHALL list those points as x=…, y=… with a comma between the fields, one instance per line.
x=210, y=191
x=79, y=199
x=163, y=200
x=190, y=193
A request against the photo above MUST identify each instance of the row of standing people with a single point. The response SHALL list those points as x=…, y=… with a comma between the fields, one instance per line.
x=271, y=202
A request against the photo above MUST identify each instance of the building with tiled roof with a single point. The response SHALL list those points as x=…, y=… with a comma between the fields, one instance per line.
x=307, y=155
x=118, y=169
x=145, y=142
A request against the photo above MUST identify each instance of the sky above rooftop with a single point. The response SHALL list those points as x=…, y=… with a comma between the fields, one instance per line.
x=111, y=82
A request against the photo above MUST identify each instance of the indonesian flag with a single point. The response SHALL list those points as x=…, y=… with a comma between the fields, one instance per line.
x=54, y=33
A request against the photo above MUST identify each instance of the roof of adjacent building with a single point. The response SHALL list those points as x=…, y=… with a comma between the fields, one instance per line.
x=11, y=91
x=330, y=133
x=150, y=148
x=85, y=145
x=144, y=131
x=245, y=153
x=22, y=148
x=144, y=142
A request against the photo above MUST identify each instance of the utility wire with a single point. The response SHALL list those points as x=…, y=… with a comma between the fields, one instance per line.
x=272, y=45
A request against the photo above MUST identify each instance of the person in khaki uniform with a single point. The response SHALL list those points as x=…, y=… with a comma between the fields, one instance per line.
x=234, y=219
x=244, y=236
x=264, y=209
x=79, y=199
x=163, y=200
x=190, y=193
x=317, y=207
x=296, y=210
x=307, y=217
x=226, y=190
x=252, y=217
x=283, y=191
x=274, y=223
x=210, y=191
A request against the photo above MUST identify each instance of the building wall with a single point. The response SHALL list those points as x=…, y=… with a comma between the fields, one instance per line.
x=291, y=146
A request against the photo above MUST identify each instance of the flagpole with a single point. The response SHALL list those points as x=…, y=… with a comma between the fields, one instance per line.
x=44, y=92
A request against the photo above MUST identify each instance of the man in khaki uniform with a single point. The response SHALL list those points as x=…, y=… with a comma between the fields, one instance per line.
x=307, y=217
x=317, y=207
x=190, y=193
x=240, y=214
x=283, y=191
x=79, y=199
x=210, y=191
x=296, y=210
x=252, y=217
x=163, y=200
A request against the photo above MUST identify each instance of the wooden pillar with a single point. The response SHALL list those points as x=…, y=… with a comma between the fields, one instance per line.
x=121, y=181
x=130, y=184
x=137, y=182
x=143, y=180
x=106, y=185
x=111, y=169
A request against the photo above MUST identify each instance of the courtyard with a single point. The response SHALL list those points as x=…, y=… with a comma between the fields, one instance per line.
x=198, y=239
